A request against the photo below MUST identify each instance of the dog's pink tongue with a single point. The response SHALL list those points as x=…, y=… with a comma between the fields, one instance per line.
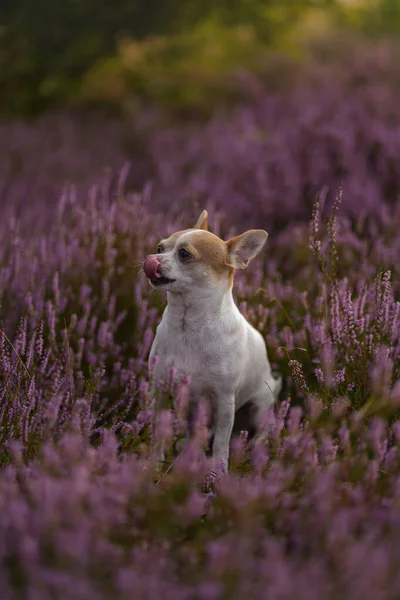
x=150, y=267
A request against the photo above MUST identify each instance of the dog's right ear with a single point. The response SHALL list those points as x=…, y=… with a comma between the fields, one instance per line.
x=202, y=222
x=242, y=248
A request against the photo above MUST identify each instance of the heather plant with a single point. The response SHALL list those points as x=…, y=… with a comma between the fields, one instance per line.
x=311, y=512
x=81, y=322
x=85, y=511
x=313, y=509
x=267, y=157
x=363, y=330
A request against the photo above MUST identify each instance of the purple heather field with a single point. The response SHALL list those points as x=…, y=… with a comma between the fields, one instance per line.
x=313, y=513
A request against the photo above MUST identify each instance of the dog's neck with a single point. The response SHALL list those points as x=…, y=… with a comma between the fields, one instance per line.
x=194, y=311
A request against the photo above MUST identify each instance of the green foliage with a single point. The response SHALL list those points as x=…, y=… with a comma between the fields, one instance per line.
x=180, y=54
x=372, y=17
x=186, y=71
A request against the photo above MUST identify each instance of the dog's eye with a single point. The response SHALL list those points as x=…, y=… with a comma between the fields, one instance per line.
x=184, y=253
x=159, y=249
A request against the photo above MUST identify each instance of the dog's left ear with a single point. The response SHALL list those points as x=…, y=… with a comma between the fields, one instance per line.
x=202, y=222
x=242, y=248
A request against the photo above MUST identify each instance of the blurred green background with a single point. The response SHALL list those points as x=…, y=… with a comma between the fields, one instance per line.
x=183, y=55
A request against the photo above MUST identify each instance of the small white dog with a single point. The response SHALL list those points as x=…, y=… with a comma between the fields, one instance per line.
x=202, y=333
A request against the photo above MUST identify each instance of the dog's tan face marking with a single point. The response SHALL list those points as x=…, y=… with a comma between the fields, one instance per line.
x=208, y=254
x=208, y=249
x=168, y=244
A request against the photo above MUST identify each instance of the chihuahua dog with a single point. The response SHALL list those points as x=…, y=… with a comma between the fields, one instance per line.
x=202, y=333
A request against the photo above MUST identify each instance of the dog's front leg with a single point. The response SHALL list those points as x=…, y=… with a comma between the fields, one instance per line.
x=224, y=409
x=157, y=445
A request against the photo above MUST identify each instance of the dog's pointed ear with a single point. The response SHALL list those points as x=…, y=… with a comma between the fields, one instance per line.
x=202, y=221
x=242, y=248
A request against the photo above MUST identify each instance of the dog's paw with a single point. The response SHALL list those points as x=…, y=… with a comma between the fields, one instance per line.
x=208, y=485
x=214, y=476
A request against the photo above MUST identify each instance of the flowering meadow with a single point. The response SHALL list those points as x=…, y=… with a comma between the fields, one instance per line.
x=312, y=513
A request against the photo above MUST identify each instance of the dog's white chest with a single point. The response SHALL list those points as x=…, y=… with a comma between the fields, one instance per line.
x=204, y=355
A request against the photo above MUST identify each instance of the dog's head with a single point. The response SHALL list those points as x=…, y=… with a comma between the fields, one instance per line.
x=197, y=259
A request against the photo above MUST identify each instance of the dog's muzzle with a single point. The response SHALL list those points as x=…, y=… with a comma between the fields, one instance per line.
x=151, y=270
x=150, y=267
